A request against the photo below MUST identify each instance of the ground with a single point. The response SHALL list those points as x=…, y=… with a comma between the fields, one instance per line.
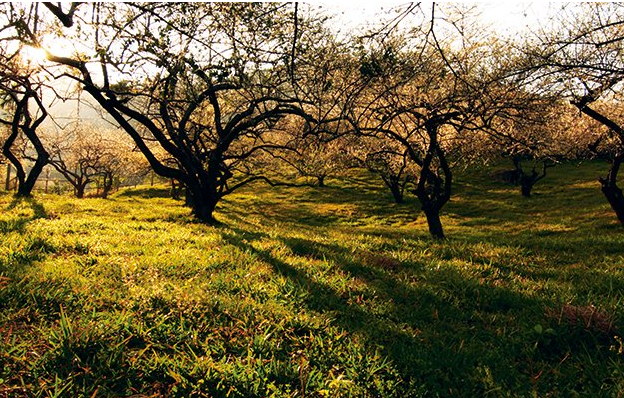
x=312, y=292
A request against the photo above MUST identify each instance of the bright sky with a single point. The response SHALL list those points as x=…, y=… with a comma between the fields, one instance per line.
x=504, y=17
x=513, y=17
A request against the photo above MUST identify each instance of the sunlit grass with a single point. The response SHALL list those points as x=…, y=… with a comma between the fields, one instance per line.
x=332, y=291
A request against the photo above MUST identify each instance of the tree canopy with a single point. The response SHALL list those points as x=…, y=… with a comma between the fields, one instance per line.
x=218, y=95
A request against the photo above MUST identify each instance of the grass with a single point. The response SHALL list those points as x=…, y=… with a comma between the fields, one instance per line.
x=315, y=292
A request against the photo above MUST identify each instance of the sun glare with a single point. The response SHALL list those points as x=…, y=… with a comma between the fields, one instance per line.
x=33, y=55
x=37, y=55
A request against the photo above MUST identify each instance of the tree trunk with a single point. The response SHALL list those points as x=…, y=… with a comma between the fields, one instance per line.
x=528, y=181
x=321, y=181
x=7, y=183
x=203, y=211
x=20, y=174
x=397, y=192
x=616, y=200
x=175, y=189
x=107, y=185
x=47, y=180
x=434, y=190
x=526, y=184
x=203, y=203
x=525, y=190
x=432, y=198
x=26, y=187
x=611, y=191
x=79, y=190
x=432, y=213
x=394, y=185
x=26, y=181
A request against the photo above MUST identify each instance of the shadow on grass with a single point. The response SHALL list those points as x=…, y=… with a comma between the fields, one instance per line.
x=17, y=224
x=145, y=192
x=323, y=207
x=361, y=201
x=429, y=330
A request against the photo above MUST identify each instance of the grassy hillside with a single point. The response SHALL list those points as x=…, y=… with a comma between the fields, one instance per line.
x=313, y=292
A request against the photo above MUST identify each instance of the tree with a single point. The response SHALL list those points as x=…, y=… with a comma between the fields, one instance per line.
x=421, y=94
x=533, y=131
x=582, y=61
x=20, y=92
x=206, y=82
x=390, y=161
x=77, y=156
x=85, y=155
x=607, y=143
x=316, y=156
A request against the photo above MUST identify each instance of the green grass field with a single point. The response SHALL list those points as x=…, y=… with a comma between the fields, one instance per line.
x=316, y=292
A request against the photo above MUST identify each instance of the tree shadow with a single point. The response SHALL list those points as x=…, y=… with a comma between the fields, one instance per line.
x=17, y=224
x=352, y=205
x=408, y=322
x=144, y=193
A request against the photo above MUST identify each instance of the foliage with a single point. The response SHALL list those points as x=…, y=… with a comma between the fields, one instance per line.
x=87, y=154
x=209, y=81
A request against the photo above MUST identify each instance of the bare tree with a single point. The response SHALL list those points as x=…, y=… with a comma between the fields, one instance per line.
x=86, y=155
x=205, y=82
x=309, y=156
x=534, y=133
x=421, y=94
x=77, y=156
x=390, y=161
x=22, y=113
x=582, y=61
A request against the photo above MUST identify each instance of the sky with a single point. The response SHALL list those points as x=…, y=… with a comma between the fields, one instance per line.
x=513, y=17
x=504, y=17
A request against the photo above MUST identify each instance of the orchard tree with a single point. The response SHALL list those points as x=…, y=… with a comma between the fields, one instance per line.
x=206, y=82
x=390, y=161
x=534, y=133
x=606, y=142
x=422, y=94
x=22, y=112
x=316, y=156
x=404, y=104
x=614, y=153
x=77, y=156
x=120, y=162
x=86, y=155
x=582, y=60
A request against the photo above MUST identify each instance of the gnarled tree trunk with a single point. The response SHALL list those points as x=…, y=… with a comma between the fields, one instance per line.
x=79, y=189
x=611, y=191
x=432, y=213
x=396, y=188
x=22, y=121
x=202, y=203
x=528, y=180
x=434, y=189
x=107, y=184
x=7, y=182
